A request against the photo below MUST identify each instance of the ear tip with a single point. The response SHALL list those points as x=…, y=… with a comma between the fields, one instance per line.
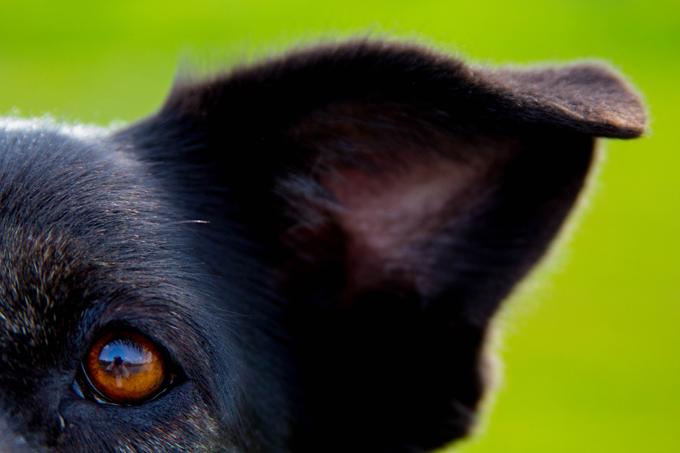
x=588, y=97
x=618, y=105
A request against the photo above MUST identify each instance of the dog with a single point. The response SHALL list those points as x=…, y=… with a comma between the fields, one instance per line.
x=300, y=255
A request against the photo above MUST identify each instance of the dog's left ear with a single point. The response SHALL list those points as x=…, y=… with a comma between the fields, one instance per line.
x=400, y=195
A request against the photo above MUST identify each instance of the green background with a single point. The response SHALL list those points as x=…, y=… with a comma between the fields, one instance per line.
x=590, y=342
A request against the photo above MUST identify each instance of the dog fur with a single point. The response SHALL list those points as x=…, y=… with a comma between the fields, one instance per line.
x=318, y=242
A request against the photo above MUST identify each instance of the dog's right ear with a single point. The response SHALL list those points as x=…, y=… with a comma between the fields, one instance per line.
x=398, y=195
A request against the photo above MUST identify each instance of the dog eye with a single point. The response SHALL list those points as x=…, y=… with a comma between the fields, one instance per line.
x=126, y=368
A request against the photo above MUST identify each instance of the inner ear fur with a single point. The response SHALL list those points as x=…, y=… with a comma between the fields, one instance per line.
x=389, y=184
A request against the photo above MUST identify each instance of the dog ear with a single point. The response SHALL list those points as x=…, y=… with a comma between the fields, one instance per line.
x=400, y=195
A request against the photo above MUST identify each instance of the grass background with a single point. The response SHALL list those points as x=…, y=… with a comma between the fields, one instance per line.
x=590, y=342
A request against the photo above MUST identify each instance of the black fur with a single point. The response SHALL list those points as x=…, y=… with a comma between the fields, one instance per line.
x=318, y=242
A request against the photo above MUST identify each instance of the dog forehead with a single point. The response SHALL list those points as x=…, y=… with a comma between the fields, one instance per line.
x=72, y=210
x=57, y=179
x=38, y=269
x=43, y=192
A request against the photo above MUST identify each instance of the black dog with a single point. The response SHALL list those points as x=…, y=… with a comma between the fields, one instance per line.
x=301, y=256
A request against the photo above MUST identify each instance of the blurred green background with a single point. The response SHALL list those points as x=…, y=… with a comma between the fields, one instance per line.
x=590, y=342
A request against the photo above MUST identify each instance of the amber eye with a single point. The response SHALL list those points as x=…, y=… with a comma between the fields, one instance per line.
x=126, y=368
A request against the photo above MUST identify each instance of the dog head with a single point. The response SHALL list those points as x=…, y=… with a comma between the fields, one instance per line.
x=299, y=256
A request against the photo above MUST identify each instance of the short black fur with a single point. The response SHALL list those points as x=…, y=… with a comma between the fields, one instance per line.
x=319, y=242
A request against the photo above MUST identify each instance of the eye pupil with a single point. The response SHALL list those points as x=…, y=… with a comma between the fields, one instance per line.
x=126, y=368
